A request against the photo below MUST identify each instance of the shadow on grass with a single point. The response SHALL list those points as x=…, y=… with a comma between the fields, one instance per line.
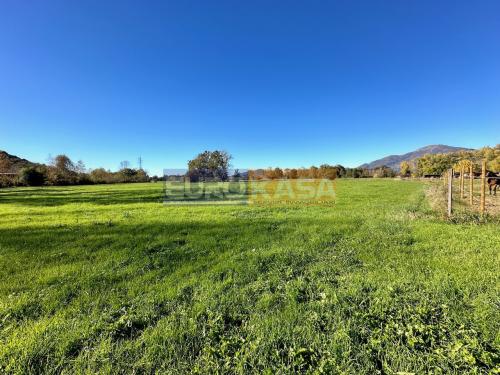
x=100, y=195
x=165, y=245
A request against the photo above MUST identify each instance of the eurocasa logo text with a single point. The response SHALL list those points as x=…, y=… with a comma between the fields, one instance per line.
x=306, y=191
x=181, y=190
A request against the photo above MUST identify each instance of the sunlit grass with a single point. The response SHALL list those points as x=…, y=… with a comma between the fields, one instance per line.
x=109, y=279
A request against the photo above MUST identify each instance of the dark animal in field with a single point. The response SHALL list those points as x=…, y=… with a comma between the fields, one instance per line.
x=493, y=180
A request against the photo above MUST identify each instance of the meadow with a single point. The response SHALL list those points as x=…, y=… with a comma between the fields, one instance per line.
x=108, y=279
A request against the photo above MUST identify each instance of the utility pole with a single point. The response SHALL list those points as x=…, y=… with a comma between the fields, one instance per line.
x=124, y=164
x=140, y=162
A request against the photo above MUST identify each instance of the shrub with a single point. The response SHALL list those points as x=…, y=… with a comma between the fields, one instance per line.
x=32, y=176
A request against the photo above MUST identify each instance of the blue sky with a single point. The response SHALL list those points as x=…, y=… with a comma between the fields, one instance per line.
x=288, y=83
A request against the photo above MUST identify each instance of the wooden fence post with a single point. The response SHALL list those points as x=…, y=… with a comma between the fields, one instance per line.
x=471, y=184
x=450, y=193
x=460, y=181
x=462, y=177
x=483, y=187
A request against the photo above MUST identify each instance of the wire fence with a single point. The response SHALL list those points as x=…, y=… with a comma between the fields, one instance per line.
x=468, y=189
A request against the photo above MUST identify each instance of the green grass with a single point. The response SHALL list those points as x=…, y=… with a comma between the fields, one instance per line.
x=107, y=279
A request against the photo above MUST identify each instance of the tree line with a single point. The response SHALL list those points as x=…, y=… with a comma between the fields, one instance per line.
x=427, y=165
x=214, y=165
x=437, y=164
x=323, y=171
x=61, y=170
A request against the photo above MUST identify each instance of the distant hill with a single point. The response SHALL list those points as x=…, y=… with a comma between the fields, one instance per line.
x=393, y=161
x=14, y=163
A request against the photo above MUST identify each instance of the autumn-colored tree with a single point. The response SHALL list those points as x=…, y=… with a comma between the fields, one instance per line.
x=101, y=176
x=327, y=171
x=278, y=173
x=63, y=163
x=313, y=172
x=256, y=174
x=492, y=156
x=404, y=169
x=269, y=173
x=293, y=174
x=5, y=164
x=62, y=171
x=436, y=164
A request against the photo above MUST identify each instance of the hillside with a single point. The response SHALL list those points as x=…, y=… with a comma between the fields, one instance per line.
x=393, y=161
x=12, y=164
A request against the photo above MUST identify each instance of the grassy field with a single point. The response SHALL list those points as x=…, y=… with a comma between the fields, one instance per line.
x=108, y=279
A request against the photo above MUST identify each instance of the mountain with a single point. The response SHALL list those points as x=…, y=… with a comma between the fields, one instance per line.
x=12, y=164
x=393, y=161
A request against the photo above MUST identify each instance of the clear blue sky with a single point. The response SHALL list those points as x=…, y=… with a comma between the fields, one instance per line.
x=288, y=83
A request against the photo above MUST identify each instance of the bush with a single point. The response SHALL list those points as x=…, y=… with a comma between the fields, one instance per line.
x=101, y=176
x=84, y=179
x=31, y=176
x=60, y=177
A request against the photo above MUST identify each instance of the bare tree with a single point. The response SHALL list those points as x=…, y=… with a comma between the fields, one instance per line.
x=80, y=167
x=63, y=163
x=124, y=164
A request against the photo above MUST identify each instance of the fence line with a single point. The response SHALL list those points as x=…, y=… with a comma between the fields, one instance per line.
x=461, y=167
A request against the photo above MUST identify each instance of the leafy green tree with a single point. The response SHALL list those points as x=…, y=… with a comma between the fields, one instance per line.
x=341, y=171
x=31, y=176
x=210, y=164
x=141, y=176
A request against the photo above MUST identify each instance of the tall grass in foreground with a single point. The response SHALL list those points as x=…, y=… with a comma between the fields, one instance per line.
x=107, y=279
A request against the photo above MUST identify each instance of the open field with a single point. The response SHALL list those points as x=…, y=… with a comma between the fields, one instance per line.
x=108, y=279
